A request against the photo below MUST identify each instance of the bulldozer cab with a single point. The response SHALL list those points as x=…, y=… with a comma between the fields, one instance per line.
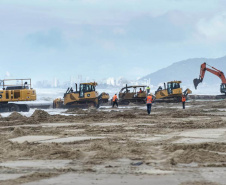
x=83, y=88
x=173, y=85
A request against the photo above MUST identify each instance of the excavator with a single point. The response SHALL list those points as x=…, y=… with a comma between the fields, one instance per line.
x=214, y=71
x=172, y=92
x=85, y=97
x=16, y=93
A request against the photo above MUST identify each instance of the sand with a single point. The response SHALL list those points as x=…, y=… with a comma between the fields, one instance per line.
x=123, y=145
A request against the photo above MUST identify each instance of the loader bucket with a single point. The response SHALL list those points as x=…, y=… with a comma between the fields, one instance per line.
x=196, y=82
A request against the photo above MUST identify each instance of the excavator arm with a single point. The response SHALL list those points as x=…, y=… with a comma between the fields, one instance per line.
x=212, y=70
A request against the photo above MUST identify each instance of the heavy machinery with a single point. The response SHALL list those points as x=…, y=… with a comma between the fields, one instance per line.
x=10, y=92
x=85, y=97
x=130, y=94
x=103, y=98
x=214, y=71
x=172, y=92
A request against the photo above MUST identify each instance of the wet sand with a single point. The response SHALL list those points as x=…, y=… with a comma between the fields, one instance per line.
x=116, y=146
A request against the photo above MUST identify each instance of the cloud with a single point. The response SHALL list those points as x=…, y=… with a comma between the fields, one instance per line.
x=212, y=29
x=156, y=29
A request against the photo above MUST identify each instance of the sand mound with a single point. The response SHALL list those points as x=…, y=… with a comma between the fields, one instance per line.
x=18, y=131
x=92, y=110
x=123, y=115
x=75, y=111
x=40, y=115
x=16, y=115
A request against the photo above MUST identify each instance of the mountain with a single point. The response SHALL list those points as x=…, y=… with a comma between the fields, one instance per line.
x=187, y=70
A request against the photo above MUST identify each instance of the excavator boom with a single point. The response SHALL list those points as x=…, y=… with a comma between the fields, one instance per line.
x=212, y=70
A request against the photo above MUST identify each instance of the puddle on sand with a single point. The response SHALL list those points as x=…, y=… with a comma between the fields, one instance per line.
x=15, y=126
x=40, y=164
x=193, y=140
x=32, y=138
x=7, y=176
x=154, y=171
x=70, y=139
x=75, y=130
x=105, y=124
x=204, y=133
x=58, y=124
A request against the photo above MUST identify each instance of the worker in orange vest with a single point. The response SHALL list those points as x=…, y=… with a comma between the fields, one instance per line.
x=183, y=101
x=114, y=100
x=149, y=102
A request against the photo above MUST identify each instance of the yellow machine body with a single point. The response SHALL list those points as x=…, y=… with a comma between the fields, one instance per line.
x=132, y=94
x=172, y=90
x=104, y=97
x=17, y=95
x=74, y=97
x=16, y=90
x=85, y=96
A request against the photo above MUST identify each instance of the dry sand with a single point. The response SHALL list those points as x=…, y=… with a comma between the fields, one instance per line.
x=116, y=146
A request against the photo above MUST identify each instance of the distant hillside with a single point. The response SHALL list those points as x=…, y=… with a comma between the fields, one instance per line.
x=187, y=70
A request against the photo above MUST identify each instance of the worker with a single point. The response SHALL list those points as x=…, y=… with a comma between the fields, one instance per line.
x=148, y=89
x=140, y=90
x=183, y=101
x=149, y=102
x=114, y=100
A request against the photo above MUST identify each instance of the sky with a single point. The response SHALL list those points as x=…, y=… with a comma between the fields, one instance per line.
x=46, y=39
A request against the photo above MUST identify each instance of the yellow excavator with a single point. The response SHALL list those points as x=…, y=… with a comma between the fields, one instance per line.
x=85, y=97
x=172, y=92
x=10, y=92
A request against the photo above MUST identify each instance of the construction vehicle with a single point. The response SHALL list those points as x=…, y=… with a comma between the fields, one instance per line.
x=130, y=94
x=85, y=97
x=103, y=98
x=20, y=92
x=172, y=92
x=214, y=71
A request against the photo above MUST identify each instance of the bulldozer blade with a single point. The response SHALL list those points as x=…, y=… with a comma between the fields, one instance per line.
x=196, y=82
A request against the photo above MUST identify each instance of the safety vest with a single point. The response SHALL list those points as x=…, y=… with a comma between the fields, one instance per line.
x=148, y=88
x=183, y=99
x=114, y=98
x=149, y=99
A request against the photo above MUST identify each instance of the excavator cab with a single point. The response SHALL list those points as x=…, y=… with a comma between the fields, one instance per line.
x=223, y=88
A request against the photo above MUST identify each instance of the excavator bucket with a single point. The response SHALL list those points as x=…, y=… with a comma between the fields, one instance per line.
x=196, y=82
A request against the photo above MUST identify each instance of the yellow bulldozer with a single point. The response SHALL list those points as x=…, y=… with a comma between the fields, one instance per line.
x=10, y=92
x=84, y=97
x=132, y=94
x=172, y=92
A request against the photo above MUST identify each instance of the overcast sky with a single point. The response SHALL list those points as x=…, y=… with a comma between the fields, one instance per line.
x=43, y=39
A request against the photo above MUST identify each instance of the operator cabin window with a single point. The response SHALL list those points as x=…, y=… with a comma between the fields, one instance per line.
x=88, y=88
